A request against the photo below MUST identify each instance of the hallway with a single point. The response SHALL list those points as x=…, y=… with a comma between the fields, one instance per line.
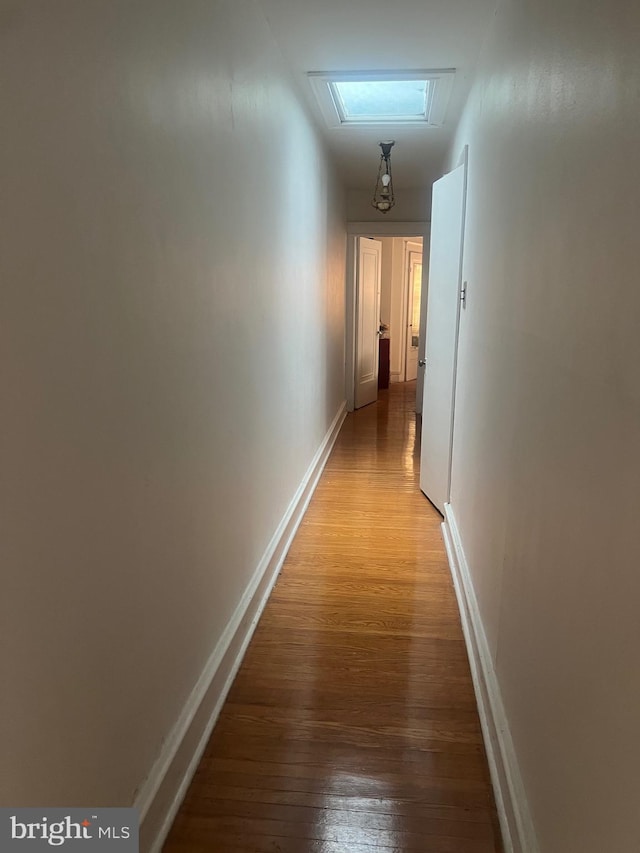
x=352, y=724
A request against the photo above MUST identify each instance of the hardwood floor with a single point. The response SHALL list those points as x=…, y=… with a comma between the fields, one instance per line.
x=352, y=724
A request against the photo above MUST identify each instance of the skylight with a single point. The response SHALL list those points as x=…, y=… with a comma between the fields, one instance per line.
x=381, y=100
x=369, y=98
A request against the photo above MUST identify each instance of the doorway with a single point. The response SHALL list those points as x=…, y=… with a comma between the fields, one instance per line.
x=397, y=309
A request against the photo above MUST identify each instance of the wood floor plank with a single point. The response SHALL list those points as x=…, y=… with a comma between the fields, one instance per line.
x=409, y=807
x=351, y=726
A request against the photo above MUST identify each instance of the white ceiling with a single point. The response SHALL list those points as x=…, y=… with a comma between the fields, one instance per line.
x=357, y=35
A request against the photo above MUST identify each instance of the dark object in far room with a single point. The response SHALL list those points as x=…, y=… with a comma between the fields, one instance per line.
x=383, y=362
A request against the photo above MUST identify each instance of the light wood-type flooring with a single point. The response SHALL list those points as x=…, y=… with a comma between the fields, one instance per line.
x=352, y=724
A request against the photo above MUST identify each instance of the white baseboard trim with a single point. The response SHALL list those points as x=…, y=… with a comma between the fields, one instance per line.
x=518, y=833
x=164, y=789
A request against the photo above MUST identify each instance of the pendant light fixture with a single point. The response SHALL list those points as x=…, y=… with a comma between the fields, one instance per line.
x=383, y=199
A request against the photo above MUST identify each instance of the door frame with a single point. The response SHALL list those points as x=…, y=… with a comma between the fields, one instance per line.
x=406, y=301
x=422, y=345
x=365, y=229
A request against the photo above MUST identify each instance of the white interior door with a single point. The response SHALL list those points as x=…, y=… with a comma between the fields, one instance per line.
x=367, y=321
x=443, y=314
x=414, y=290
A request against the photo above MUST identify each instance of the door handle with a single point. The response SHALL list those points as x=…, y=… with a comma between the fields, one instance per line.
x=422, y=362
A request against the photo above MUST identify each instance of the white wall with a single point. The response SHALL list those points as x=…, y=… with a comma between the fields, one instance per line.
x=397, y=309
x=172, y=267
x=386, y=279
x=546, y=466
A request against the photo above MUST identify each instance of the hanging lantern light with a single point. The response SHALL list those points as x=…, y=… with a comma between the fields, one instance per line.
x=383, y=199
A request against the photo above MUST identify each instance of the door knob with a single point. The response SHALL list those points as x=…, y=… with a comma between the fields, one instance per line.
x=422, y=362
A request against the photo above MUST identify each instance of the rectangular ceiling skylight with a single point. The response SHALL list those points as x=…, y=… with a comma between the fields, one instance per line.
x=381, y=100
x=369, y=98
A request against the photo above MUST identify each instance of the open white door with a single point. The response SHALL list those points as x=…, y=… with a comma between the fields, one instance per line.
x=367, y=321
x=443, y=314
